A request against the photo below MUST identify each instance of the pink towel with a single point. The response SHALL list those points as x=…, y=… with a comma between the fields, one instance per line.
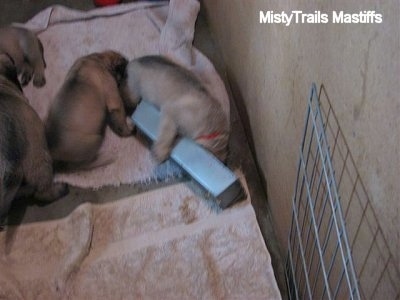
x=134, y=29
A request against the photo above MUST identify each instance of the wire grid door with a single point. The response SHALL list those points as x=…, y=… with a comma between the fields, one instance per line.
x=319, y=264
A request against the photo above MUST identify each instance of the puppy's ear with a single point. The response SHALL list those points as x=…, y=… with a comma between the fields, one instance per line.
x=119, y=69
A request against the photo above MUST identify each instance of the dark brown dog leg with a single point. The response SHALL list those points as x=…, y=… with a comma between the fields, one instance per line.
x=38, y=173
x=8, y=191
x=46, y=189
x=6, y=198
x=52, y=192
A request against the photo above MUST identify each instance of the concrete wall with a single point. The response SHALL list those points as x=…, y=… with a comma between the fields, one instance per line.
x=271, y=67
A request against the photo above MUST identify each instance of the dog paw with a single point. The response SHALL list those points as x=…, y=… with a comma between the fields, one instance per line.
x=124, y=131
x=56, y=191
x=127, y=128
x=39, y=81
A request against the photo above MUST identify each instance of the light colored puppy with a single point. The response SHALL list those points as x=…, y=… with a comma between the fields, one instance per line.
x=25, y=162
x=27, y=52
x=187, y=108
x=88, y=100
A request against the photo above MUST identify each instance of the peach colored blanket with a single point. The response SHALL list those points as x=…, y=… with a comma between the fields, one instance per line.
x=163, y=244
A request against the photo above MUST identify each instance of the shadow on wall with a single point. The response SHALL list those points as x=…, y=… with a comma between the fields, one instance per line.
x=316, y=264
x=241, y=108
x=255, y=179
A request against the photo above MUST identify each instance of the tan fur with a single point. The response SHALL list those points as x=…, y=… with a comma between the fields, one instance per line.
x=87, y=101
x=25, y=163
x=27, y=52
x=186, y=106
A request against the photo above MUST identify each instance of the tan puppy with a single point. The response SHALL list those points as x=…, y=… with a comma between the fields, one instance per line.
x=25, y=163
x=186, y=106
x=27, y=52
x=88, y=100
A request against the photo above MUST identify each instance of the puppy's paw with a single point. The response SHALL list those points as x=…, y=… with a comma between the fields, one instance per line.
x=120, y=124
x=26, y=77
x=39, y=80
x=124, y=131
x=56, y=191
x=160, y=153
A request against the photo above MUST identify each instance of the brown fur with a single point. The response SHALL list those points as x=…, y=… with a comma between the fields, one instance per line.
x=27, y=52
x=25, y=163
x=87, y=101
x=186, y=107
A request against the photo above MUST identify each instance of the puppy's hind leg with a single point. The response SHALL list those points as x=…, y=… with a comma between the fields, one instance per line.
x=166, y=136
x=40, y=177
x=8, y=192
x=52, y=192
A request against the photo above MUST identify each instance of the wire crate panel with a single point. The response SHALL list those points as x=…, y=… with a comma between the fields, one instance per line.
x=336, y=248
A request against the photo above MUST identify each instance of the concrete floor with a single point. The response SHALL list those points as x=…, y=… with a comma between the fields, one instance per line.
x=240, y=152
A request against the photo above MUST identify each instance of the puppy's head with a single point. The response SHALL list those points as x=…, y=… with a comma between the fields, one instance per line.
x=115, y=62
x=8, y=69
